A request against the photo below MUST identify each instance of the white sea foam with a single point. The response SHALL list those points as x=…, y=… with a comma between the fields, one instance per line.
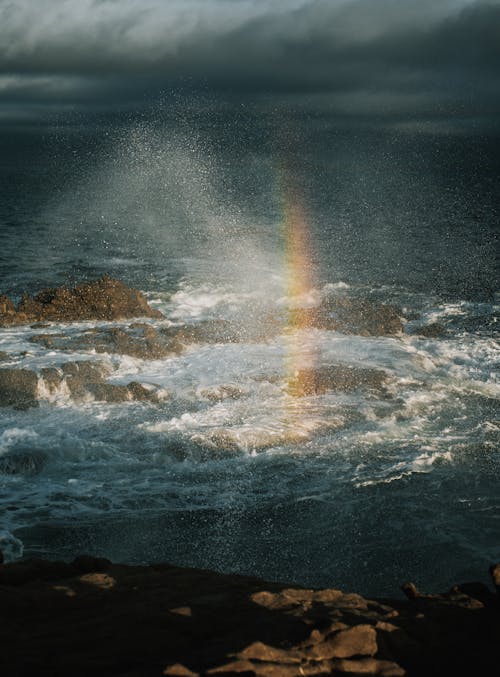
x=10, y=546
x=421, y=464
x=224, y=413
x=12, y=436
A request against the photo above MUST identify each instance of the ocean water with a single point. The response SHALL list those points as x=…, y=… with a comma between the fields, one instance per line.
x=228, y=470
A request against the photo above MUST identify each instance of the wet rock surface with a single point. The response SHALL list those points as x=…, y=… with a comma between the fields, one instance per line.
x=315, y=381
x=82, y=380
x=104, y=299
x=350, y=316
x=92, y=617
x=137, y=340
x=18, y=388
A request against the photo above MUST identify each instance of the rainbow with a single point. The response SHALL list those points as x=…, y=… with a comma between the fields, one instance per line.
x=300, y=352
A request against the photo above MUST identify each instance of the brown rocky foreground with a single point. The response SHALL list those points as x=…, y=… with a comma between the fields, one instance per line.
x=92, y=617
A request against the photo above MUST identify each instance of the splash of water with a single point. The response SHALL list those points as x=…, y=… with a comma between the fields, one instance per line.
x=156, y=194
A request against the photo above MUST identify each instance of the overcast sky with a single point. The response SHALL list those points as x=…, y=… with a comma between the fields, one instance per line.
x=355, y=57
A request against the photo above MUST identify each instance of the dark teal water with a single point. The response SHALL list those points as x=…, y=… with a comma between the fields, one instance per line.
x=375, y=490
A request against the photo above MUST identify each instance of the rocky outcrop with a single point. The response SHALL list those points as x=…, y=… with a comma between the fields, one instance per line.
x=18, y=388
x=318, y=380
x=350, y=316
x=91, y=617
x=82, y=380
x=139, y=340
x=104, y=299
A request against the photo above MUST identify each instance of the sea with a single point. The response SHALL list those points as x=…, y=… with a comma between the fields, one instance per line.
x=214, y=214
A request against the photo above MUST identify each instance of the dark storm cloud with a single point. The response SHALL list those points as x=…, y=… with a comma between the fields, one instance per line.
x=355, y=56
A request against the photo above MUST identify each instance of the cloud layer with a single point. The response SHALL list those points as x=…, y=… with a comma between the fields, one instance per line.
x=358, y=57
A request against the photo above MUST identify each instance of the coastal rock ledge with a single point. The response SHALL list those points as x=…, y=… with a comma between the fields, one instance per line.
x=103, y=299
x=92, y=617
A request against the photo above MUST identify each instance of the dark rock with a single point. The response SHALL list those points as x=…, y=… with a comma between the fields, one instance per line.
x=86, y=370
x=138, y=340
x=104, y=299
x=86, y=564
x=85, y=379
x=367, y=666
x=3, y=356
x=350, y=316
x=140, y=393
x=49, y=340
x=52, y=377
x=108, y=392
x=70, y=369
x=475, y=591
x=433, y=330
x=7, y=308
x=143, y=342
x=314, y=381
x=410, y=590
x=22, y=462
x=395, y=641
x=222, y=392
x=34, y=569
x=495, y=576
x=77, y=387
x=81, y=374
x=18, y=388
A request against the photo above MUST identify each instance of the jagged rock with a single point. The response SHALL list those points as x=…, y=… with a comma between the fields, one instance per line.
x=86, y=370
x=7, y=308
x=108, y=392
x=18, y=388
x=368, y=666
x=3, y=356
x=49, y=340
x=104, y=299
x=360, y=640
x=141, y=393
x=222, y=392
x=138, y=340
x=433, y=330
x=262, y=652
x=410, y=590
x=86, y=379
x=52, y=377
x=77, y=387
x=314, y=381
x=350, y=316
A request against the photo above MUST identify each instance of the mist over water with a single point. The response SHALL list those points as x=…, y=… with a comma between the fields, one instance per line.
x=359, y=489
